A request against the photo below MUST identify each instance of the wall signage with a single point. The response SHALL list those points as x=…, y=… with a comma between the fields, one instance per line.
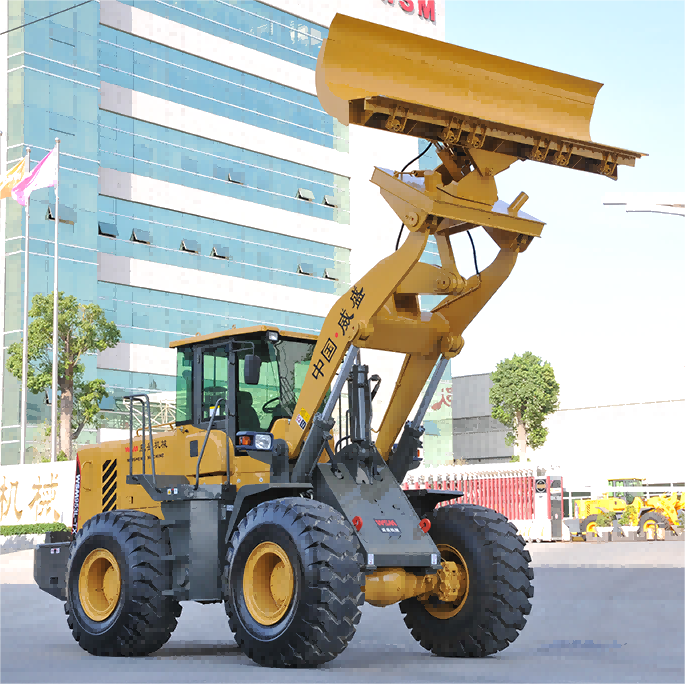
x=425, y=9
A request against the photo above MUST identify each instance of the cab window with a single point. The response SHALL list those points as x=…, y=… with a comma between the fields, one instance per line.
x=214, y=382
x=282, y=374
x=184, y=386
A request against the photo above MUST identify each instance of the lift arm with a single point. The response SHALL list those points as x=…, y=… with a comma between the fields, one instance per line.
x=482, y=113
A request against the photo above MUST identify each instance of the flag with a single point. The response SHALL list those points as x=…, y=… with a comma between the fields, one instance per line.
x=43, y=176
x=12, y=177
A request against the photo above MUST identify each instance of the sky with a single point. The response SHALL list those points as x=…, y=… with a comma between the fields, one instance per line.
x=600, y=294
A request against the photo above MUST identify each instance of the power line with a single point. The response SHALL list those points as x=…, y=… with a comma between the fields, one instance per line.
x=49, y=15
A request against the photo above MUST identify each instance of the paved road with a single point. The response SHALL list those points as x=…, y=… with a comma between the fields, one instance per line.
x=590, y=623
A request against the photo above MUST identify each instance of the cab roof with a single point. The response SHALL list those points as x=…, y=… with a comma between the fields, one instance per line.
x=234, y=332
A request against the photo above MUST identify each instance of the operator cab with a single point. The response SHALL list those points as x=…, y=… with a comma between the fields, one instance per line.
x=257, y=373
x=628, y=496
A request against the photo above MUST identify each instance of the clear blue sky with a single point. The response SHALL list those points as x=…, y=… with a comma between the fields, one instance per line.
x=600, y=294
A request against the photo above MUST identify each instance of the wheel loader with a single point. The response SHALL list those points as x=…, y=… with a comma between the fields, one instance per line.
x=645, y=514
x=246, y=499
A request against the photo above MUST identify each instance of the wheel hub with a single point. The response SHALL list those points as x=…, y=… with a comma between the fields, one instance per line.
x=99, y=584
x=453, y=585
x=268, y=583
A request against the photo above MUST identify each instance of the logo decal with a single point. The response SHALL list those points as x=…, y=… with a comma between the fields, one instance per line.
x=388, y=526
x=77, y=495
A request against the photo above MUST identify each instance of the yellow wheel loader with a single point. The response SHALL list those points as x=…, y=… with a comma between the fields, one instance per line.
x=645, y=514
x=244, y=499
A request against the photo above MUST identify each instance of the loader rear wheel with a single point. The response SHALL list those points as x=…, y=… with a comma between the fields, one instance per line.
x=495, y=591
x=293, y=583
x=115, y=579
x=589, y=524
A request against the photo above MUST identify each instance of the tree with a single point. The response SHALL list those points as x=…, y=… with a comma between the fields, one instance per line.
x=81, y=329
x=523, y=394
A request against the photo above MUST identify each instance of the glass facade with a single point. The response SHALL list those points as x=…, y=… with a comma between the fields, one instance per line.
x=138, y=64
x=55, y=69
x=248, y=23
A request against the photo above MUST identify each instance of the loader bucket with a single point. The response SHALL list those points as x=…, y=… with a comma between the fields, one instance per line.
x=427, y=88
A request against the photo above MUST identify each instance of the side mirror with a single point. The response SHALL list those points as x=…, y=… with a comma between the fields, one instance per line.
x=251, y=370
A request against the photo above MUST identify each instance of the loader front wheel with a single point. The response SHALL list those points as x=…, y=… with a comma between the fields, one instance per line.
x=115, y=579
x=494, y=587
x=293, y=583
x=589, y=525
x=651, y=521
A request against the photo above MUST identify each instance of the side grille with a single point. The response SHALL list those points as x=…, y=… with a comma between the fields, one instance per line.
x=109, y=485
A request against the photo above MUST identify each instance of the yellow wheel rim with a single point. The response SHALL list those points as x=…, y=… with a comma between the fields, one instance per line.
x=99, y=584
x=268, y=583
x=446, y=610
x=591, y=527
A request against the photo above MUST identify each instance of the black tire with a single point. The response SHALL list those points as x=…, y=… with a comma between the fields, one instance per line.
x=493, y=611
x=143, y=618
x=586, y=521
x=653, y=518
x=322, y=615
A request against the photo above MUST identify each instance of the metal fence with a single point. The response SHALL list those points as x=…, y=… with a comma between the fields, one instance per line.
x=507, y=489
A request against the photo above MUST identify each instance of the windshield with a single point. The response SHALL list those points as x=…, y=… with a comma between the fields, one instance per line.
x=282, y=374
x=628, y=497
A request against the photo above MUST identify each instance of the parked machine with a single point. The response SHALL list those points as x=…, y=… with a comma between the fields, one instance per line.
x=646, y=514
x=245, y=500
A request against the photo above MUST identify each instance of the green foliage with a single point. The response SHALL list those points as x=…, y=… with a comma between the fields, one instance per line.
x=681, y=518
x=61, y=456
x=82, y=329
x=605, y=519
x=524, y=386
x=515, y=458
x=628, y=515
x=37, y=528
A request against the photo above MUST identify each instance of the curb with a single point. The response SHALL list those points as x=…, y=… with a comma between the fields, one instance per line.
x=20, y=542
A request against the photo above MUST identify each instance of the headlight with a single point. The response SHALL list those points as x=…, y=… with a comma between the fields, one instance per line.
x=262, y=441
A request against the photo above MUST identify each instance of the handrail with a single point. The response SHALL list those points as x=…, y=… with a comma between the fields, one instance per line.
x=144, y=400
x=214, y=410
x=157, y=427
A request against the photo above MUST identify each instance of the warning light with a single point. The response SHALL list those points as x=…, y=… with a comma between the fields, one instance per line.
x=245, y=440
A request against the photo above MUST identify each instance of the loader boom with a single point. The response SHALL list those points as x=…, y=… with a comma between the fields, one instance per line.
x=482, y=113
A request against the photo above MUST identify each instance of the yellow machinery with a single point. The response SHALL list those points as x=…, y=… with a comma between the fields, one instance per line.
x=243, y=499
x=644, y=513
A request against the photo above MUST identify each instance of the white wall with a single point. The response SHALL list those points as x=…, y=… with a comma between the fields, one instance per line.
x=593, y=444
x=139, y=358
x=38, y=493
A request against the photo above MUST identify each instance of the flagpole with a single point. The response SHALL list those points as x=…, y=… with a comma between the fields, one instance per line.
x=2, y=284
x=25, y=327
x=55, y=340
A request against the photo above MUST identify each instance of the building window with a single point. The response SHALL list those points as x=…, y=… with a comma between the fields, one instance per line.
x=66, y=215
x=330, y=201
x=107, y=229
x=190, y=246
x=220, y=252
x=305, y=269
x=143, y=236
x=305, y=194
